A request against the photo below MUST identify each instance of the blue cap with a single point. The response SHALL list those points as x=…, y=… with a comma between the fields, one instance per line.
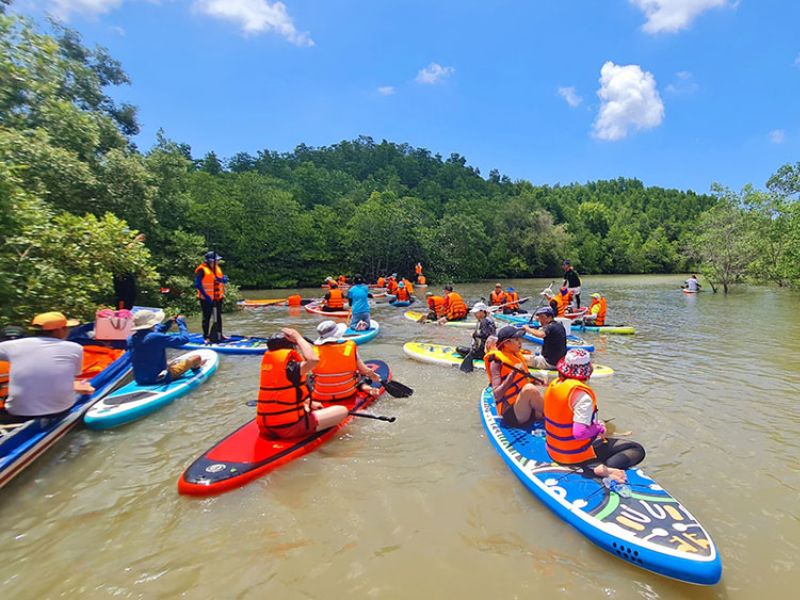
x=545, y=310
x=401, y=285
x=211, y=255
x=511, y=289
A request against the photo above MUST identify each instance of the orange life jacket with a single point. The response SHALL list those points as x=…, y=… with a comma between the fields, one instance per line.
x=336, y=374
x=601, y=311
x=507, y=360
x=512, y=301
x=214, y=289
x=558, y=420
x=97, y=358
x=421, y=280
x=3, y=382
x=335, y=300
x=409, y=286
x=294, y=300
x=418, y=269
x=391, y=285
x=436, y=304
x=562, y=302
x=456, y=309
x=402, y=294
x=381, y=282
x=342, y=280
x=497, y=298
x=280, y=402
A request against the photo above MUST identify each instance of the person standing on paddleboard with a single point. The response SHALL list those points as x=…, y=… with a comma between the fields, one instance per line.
x=484, y=328
x=573, y=432
x=43, y=371
x=518, y=400
x=358, y=296
x=555, y=339
x=284, y=408
x=572, y=282
x=210, y=284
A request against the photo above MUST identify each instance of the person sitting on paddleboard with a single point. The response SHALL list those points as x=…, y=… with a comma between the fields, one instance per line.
x=483, y=329
x=358, y=296
x=518, y=400
x=148, y=346
x=435, y=306
x=408, y=284
x=692, y=285
x=573, y=432
x=340, y=371
x=284, y=408
x=43, y=371
x=572, y=282
x=497, y=297
x=334, y=299
x=554, y=336
x=597, y=311
x=512, y=303
x=401, y=294
x=391, y=283
x=455, y=309
x=381, y=282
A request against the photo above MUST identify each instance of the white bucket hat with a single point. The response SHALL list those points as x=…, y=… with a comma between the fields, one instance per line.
x=330, y=331
x=146, y=319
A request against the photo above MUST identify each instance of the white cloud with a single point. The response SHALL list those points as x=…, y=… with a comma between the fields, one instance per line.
x=118, y=30
x=62, y=9
x=570, y=96
x=673, y=15
x=256, y=16
x=434, y=73
x=777, y=136
x=386, y=90
x=629, y=101
x=684, y=84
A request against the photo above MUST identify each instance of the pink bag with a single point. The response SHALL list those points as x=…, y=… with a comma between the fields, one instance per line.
x=113, y=324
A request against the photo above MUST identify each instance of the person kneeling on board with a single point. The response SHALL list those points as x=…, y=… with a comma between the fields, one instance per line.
x=573, y=432
x=284, y=408
x=358, y=296
x=401, y=293
x=518, y=400
x=340, y=371
x=435, y=307
x=334, y=299
x=483, y=329
x=43, y=370
x=455, y=309
x=554, y=336
x=148, y=346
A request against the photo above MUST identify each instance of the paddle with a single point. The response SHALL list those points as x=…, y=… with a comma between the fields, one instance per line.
x=397, y=389
x=466, y=364
x=371, y=416
x=499, y=306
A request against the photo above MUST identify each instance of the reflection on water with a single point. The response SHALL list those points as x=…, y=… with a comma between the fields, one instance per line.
x=424, y=507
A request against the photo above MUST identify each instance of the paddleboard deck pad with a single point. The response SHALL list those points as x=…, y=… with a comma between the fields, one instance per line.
x=244, y=455
x=413, y=315
x=650, y=529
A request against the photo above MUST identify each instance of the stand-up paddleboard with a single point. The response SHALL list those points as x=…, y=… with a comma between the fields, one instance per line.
x=690, y=292
x=237, y=344
x=468, y=323
x=244, y=455
x=650, y=529
x=439, y=354
x=22, y=444
x=315, y=308
x=525, y=320
x=134, y=401
x=266, y=302
x=401, y=303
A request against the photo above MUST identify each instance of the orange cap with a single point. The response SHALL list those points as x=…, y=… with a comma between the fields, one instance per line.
x=52, y=320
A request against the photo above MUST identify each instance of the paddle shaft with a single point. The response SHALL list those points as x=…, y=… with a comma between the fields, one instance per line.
x=499, y=306
x=371, y=416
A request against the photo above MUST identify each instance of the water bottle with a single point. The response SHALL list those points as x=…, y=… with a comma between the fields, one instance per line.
x=621, y=489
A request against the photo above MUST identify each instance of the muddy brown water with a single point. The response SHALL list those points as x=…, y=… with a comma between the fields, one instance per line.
x=424, y=507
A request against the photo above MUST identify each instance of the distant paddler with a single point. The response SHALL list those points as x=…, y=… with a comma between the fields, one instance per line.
x=381, y=282
x=498, y=296
x=484, y=328
x=597, y=311
x=409, y=285
x=692, y=285
x=391, y=283
x=435, y=307
x=401, y=294
x=512, y=302
x=572, y=282
x=358, y=295
x=209, y=281
x=334, y=298
x=455, y=309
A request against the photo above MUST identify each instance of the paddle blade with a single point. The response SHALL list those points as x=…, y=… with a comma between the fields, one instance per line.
x=466, y=364
x=397, y=389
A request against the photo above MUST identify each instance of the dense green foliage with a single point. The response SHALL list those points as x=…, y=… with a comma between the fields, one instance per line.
x=75, y=193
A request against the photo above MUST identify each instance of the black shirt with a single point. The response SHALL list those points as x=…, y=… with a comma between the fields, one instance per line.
x=555, y=342
x=572, y=279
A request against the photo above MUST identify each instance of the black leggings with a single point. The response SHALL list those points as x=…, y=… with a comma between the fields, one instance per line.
x=617, y=453
x=216, y=332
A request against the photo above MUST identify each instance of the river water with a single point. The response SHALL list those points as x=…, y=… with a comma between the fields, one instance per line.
x=424, y=507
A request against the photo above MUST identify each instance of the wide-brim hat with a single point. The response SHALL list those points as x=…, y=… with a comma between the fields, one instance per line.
x=575, y=364
x=509, y=332
x=146, y=319
x=329, y=331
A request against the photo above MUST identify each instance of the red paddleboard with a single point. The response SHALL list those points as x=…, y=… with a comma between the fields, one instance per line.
x=244, y=455
x=577, y=313
x=316, y=309
x=690, y=292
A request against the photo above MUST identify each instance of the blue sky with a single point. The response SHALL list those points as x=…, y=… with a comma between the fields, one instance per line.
x=678, y=93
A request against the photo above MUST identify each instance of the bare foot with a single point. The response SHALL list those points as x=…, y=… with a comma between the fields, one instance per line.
x=617, y=475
